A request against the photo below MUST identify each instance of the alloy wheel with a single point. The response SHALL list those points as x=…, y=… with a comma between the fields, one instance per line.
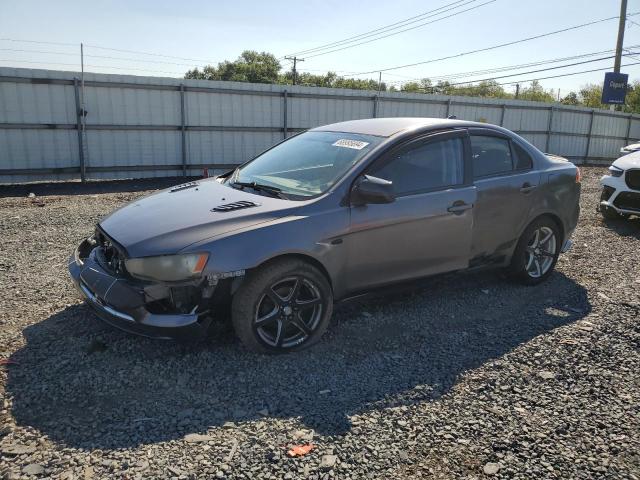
x=288, y=312
x=540, y=253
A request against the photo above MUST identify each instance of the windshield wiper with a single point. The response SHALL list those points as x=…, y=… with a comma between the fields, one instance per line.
x=275, y=191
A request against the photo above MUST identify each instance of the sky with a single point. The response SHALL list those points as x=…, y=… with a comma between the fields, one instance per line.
x=202, y=32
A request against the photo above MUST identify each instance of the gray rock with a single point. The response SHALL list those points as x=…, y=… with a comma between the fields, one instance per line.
x=17, y=449
x=33, y=469
x=197, y=438
x=328, y=461
x=491, y=468
x=546, y=375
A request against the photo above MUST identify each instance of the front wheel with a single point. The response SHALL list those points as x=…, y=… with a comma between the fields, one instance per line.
x=283, y=306
x=537, y=252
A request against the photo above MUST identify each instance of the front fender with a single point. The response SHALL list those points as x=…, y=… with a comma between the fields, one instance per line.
x=316, y=236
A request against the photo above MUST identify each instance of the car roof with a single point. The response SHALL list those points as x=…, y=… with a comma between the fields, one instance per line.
x=386, y=127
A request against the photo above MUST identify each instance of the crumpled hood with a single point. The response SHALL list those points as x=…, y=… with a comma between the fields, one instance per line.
x=167, y=221
x=631, y=160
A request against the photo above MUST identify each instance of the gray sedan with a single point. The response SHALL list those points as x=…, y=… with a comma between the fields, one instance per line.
x=325, y=215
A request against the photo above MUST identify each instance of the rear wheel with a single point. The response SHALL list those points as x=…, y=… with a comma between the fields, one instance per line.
x=537, y=252
x=283, y=306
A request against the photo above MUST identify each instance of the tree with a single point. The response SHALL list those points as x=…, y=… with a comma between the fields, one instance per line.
x=571, y=99
x=263, y=67
x=536, y=93
x=632, y=103
x=250, y=66
x=591, y=95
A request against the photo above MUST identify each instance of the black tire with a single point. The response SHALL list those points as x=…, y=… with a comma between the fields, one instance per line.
x=521, y=268
x=262, y=298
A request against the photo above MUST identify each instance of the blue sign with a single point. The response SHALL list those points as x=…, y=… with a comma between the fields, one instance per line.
x=615, y=88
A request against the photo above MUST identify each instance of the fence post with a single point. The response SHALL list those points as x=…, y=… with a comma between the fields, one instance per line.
x=504, y=109
x=79, y=114
x=628, y=137
x=375, y=106
x=549, y=127
x=586, y=155
x=284, y=113
x=183, y=131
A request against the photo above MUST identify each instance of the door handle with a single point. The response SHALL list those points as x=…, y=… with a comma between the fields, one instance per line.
x=458, y=207
x=527, y=187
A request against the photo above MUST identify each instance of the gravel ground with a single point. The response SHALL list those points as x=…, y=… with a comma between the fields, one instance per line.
x=467, y=376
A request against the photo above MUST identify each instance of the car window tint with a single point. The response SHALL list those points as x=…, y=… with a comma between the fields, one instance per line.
x=523, y=160
x=431, y=165
x=491, y=155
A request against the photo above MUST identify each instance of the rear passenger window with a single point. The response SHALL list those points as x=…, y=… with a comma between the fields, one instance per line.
x=428, y=166
x=491, y=156
x=523, y=160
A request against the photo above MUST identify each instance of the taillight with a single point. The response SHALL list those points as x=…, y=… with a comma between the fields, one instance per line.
x=578, y=175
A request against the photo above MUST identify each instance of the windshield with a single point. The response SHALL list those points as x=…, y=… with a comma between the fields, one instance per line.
x=308, y=164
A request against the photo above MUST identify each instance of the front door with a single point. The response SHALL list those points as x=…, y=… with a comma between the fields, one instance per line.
x=427, y=229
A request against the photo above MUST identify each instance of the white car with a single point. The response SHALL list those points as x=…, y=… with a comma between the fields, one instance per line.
x=621, y=188
x=634, y=147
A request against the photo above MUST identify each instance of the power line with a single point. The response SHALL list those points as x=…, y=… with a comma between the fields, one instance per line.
x=493, y=47
x=535, y=71
x=509, y=67
x=148, y=53
x=566, y=74
x=401, y=31
x=383, y=29
x=93, y=66
x=126, y=59
x=108, y=48
x=39, y=42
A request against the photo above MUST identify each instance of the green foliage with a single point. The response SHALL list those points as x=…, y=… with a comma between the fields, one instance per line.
x=536, y=93
x=331, y=80
x=590, y=96
x=250, y=66
x=571, y=99
x=263, y=67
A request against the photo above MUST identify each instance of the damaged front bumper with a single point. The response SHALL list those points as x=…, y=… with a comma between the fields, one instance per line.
x=126, y=305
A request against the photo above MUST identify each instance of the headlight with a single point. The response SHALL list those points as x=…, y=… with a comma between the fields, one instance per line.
x=615, y=171
x=167, y=268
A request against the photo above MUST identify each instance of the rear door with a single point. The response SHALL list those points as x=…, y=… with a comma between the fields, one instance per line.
x=506, y=183
x=427, y=229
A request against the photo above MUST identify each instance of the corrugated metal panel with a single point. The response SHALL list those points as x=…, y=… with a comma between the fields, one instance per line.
x=147, y=121
x=228, y=147
x=567, y=146
x=571, y=122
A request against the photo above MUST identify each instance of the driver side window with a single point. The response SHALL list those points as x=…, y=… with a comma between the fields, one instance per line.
x=427, y=166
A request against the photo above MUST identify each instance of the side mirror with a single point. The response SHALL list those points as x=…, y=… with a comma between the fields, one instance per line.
x=368, y=189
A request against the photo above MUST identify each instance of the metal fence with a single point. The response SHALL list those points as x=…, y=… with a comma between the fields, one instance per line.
x=147, y=126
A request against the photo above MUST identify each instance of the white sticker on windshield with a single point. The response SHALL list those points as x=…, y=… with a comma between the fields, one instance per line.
x=355, y=144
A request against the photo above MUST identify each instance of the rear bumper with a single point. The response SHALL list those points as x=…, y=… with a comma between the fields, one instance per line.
x=121, y=303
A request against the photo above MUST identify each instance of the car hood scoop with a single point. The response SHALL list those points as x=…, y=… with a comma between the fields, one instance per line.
x=184, y=186
x=229, y=207
x=166, y=222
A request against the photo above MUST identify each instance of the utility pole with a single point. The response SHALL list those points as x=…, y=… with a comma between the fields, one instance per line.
x=620, y=41
x=295, y=61
x=517, y=90
x=379, y=83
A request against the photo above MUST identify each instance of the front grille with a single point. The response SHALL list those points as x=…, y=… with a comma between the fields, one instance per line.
x=628, y=201
x=633, y=179
x=109, y=254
